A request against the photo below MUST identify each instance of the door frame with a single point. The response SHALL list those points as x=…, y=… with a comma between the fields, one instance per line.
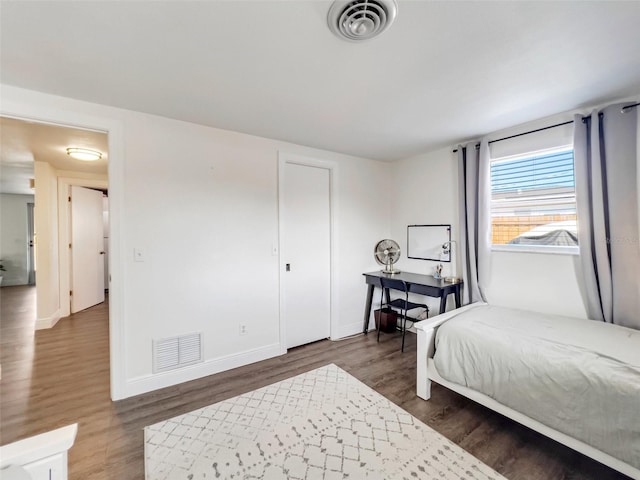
x=31, y=244
x=64, y=234
x=32, y=106
x=285, y=158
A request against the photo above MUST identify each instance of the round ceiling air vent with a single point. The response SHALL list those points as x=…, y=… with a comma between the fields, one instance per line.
x=357, y=20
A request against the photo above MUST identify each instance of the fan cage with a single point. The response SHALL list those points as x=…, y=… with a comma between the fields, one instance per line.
x=387, y=252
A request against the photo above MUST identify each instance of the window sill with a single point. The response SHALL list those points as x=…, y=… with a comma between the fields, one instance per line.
x=552, y=249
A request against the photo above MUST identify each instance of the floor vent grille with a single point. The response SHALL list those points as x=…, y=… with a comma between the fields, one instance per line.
x=176, y=352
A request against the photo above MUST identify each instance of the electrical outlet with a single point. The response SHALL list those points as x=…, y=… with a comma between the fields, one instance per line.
x=243, y=329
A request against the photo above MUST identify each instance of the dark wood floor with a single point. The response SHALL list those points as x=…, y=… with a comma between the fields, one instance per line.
x=60, y=376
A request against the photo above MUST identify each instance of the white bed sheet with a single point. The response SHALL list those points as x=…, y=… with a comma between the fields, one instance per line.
x=579, y=377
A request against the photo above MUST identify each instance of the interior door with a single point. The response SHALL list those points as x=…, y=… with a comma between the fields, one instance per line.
x=87, y=248
x=306, y=253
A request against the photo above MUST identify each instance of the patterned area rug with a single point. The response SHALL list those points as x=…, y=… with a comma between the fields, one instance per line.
x=323, y=424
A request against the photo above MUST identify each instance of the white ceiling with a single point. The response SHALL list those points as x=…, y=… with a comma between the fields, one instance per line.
x=22, y=143
x=444, y=72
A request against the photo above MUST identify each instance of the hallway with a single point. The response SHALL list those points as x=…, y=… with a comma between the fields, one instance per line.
x=53, y=377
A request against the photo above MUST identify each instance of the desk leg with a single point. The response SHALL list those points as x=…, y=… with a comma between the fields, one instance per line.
x=456, y=296
x=443, y=303
x=367, y=308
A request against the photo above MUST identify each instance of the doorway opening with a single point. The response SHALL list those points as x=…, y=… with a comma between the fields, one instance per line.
x=35, y=159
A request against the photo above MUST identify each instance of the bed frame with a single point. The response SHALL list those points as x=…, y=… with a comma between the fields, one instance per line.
x=426, y=373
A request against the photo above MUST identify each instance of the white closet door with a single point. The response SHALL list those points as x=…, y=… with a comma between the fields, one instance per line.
x=306, y=253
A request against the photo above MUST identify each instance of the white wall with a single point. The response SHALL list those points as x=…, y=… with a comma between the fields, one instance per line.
x=14, y=237
x=363, y=220
x=202, y=205
x=46, y=222
x=424, y=192
x=548, y=283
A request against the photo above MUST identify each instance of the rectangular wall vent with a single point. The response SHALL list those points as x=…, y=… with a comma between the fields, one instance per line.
x=176, y=352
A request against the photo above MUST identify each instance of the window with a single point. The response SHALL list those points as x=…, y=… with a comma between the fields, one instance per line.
x=533, y=200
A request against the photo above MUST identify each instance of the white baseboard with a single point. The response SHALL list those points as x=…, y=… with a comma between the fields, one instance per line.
x=148, y=383
x=348, y=330
x=47, y=322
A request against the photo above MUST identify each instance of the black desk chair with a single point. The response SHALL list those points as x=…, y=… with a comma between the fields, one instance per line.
x=402, y=304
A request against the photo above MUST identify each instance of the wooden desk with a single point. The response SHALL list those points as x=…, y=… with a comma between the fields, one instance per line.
x=420, y=284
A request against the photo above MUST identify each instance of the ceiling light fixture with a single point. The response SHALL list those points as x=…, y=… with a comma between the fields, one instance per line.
x=85, y=154
x=357, y=20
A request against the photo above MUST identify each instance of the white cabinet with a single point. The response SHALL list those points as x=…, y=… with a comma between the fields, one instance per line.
x=43, y=456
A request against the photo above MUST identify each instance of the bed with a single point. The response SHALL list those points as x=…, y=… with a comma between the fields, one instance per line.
x=575, y=381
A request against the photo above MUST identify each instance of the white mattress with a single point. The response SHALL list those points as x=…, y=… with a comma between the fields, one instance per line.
x=579, y=377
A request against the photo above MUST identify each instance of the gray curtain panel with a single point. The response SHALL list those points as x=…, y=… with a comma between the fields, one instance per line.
x=606, y=171
x=474, y=238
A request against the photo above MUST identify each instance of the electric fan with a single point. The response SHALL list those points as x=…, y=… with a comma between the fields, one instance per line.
x=387, y=252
